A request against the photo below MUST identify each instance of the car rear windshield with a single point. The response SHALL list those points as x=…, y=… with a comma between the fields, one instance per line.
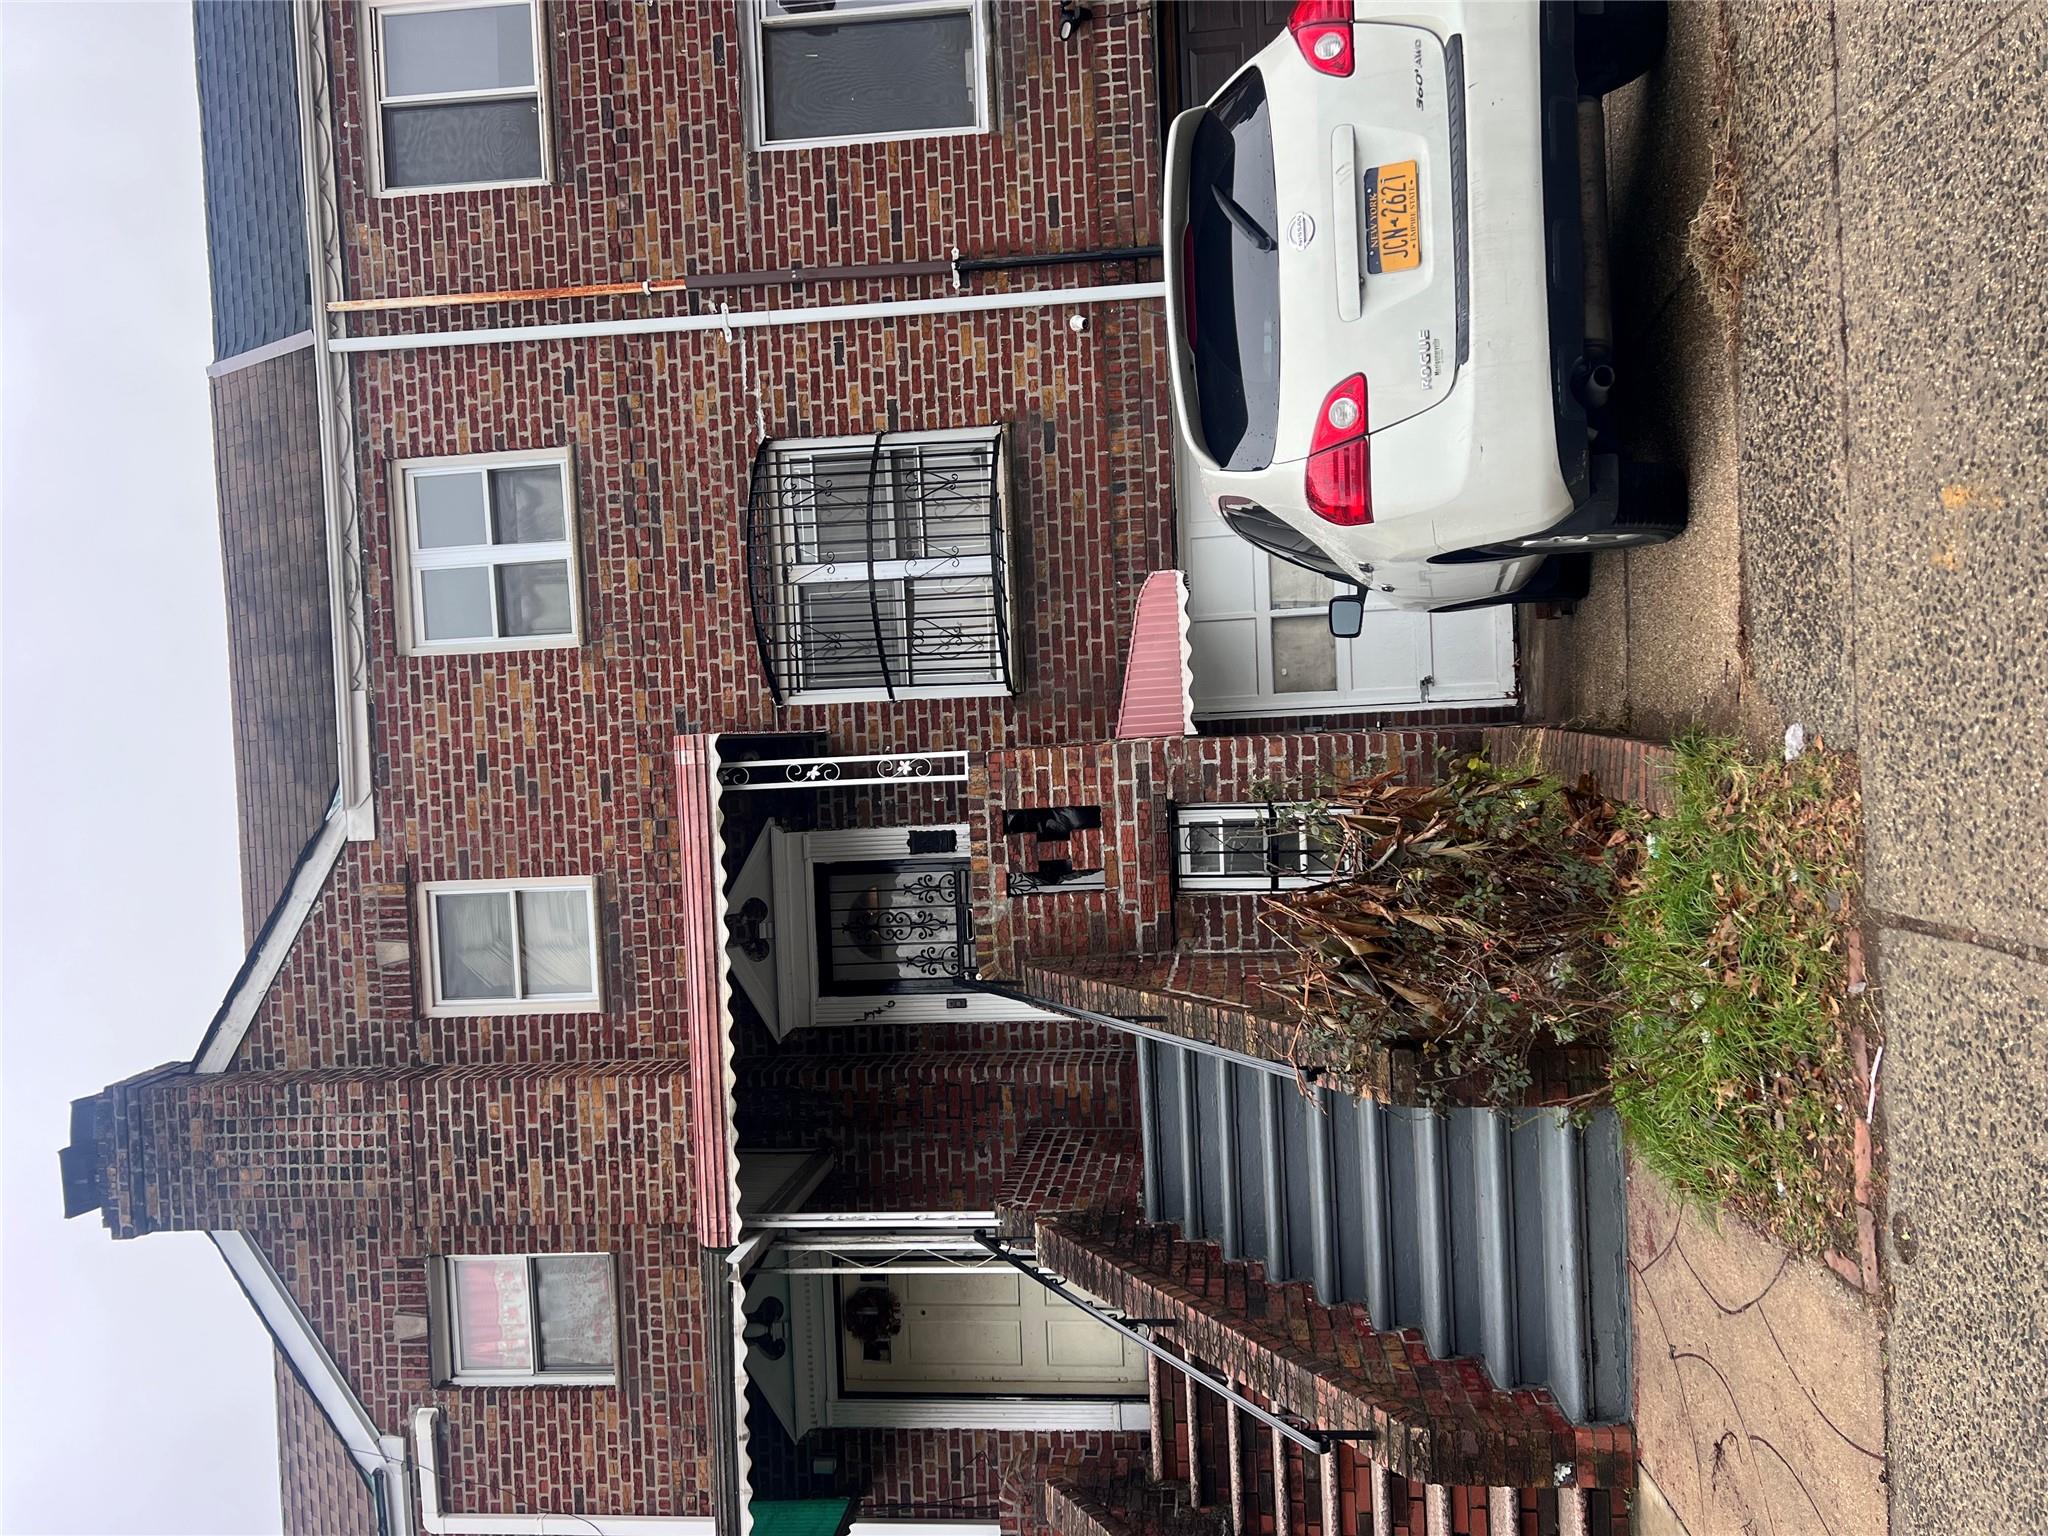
x=1233, y=228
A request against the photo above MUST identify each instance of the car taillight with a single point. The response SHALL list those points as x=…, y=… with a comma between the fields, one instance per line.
x=1322, y=31
x=1338, y=477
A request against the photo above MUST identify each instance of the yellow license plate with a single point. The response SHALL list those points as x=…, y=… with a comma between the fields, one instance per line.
x=1393, y=218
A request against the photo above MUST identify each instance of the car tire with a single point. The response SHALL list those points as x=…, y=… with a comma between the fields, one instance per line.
x=1618, y=43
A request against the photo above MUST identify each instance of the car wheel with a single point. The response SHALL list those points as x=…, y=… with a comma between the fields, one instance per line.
x=1618, y=43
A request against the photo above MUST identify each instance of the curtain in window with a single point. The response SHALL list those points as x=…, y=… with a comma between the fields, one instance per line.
x=491, y=1332
x=474, y=936
x=573, y=1299
x=554, y=943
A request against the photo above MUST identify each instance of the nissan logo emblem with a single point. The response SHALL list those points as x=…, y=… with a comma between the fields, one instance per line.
x=1300, y=230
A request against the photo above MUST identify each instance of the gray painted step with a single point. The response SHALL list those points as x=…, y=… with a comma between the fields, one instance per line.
x=1495, y=1235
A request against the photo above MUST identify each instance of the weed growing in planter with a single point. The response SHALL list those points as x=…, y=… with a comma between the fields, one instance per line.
x=1467, y=921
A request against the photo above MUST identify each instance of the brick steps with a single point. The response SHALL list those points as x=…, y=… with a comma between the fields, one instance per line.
x=1453, y=1456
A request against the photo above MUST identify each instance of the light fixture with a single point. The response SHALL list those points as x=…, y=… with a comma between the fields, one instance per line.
x=1073, y=17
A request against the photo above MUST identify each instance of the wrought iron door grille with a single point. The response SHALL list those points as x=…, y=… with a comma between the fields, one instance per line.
x=878, y=566
x=893, y=925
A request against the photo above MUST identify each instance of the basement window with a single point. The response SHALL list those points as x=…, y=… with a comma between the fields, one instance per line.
x=512, y=946
x=460, y=99
x=1253, y=847
x=856, y=71
x=526, y=1320
x=489, y=553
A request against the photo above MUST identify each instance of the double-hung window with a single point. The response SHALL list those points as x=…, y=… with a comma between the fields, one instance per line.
x=527, y=1319
x=489, y=553
x=459, y=94
x=1253, y=847
x=876, y=566
x=848, y=71
x=512, y=946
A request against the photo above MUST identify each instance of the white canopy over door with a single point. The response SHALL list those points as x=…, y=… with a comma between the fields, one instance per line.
x=1260, y=641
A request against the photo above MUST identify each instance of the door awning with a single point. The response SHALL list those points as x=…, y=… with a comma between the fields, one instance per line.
x=1158, y=682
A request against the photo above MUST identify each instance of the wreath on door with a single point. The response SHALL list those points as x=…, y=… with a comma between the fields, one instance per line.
x=873, y=1315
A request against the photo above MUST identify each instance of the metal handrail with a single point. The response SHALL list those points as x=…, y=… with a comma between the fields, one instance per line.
x=757, y=587
x=875, y=587
x=1313, y=1439
x=1141, y=1029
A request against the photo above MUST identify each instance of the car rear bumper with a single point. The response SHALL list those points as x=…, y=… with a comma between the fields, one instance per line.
x=1516, y=409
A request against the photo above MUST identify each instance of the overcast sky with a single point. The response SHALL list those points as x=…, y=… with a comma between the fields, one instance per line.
x=137, y=1389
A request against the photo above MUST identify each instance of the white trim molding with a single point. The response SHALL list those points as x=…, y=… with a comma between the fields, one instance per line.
x=379, y=1457
x=284, y=346
x=238, y=1010
x=436, y=1521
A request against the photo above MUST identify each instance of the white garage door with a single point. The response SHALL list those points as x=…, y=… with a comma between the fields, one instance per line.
x=1260, y=640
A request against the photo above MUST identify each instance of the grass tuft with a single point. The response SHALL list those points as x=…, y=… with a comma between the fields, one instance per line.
x=1731, y=1066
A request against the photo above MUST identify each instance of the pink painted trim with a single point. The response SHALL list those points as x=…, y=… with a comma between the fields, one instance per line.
x=1158, y=698
x=703, y=956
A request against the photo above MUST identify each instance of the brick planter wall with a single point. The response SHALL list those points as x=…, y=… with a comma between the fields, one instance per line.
x=1221, y=1000
x=1436, y=1421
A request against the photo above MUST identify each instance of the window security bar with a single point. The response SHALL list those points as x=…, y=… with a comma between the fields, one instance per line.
x=1309, y=1438
x=877, y=569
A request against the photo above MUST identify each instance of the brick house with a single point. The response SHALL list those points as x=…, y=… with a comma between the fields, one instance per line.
x=752, y=1012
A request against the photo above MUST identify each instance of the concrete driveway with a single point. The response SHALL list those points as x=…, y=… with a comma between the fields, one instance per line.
x=1869, y=556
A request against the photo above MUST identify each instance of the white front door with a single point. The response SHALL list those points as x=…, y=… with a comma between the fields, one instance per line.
x=983, y=1331
x=1260, y=640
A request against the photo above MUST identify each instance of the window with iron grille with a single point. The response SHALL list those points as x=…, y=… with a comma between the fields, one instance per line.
x=1253, y=847
x=876, y=566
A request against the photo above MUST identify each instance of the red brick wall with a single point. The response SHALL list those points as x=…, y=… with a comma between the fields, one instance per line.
x=1136, y=784
x=933, y=1130
x=273, y=546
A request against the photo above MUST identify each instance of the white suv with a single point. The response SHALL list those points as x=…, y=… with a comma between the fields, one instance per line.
x=1387, y=294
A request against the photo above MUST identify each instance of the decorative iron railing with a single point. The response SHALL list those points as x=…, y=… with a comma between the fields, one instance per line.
x=876, y=568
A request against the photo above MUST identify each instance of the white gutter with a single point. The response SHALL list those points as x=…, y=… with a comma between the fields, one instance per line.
x=381, y=1458
x=752, y=319
x=238, y=1012
x=336, y=426
x=435, y=1521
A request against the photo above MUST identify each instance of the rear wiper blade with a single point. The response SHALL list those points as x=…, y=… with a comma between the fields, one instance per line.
x=1243, y=222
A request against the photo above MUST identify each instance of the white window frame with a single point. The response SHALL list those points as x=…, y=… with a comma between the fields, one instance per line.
x=430, y=925
x=843, y=573
x=1188, y=816
x=370, y=19
x=754, y=20
x=412, y=560
x=442, y=1304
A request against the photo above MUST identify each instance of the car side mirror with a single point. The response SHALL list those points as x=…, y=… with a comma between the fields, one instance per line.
x=1347, y=615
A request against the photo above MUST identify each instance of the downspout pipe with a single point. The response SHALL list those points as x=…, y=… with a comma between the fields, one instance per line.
x=436, y=1521
x=756, y=319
